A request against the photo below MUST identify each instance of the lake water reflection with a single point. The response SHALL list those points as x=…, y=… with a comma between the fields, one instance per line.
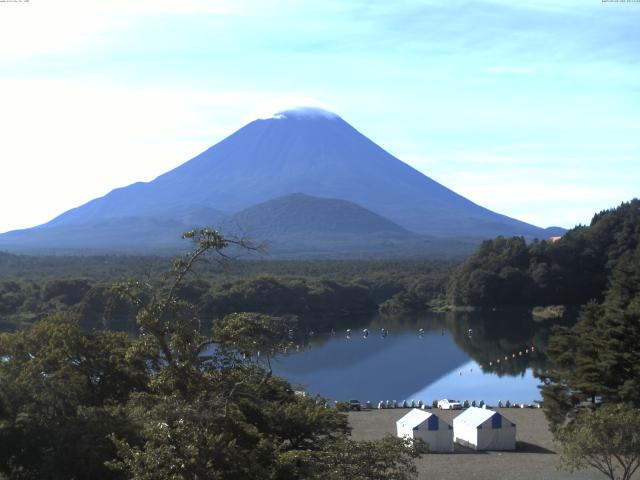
x=447, y=360
x=444, y=361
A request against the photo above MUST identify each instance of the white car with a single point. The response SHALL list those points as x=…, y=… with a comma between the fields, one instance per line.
x=447, y=404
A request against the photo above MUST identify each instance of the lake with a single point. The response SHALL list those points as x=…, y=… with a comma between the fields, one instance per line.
x=460, y=356
x=455, y=355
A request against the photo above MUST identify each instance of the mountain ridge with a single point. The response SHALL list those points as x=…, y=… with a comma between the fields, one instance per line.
x=312, y=152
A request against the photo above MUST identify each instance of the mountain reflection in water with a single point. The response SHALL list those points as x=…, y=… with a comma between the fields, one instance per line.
x=443, y=362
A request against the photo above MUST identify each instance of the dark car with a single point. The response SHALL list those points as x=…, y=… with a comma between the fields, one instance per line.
x=355, y=405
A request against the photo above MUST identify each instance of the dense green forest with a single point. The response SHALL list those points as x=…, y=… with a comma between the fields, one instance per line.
x=598, y=358
x=570, y=271
x=320, y=292
x=591, y=387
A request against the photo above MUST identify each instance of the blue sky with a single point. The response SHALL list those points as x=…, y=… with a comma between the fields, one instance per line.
x=530, y=108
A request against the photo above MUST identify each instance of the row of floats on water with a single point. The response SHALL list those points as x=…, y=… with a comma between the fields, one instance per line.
x=384, y=332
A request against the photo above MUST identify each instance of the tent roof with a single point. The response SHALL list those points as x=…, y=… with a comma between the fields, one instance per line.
x=414, y=418
x=474, y=416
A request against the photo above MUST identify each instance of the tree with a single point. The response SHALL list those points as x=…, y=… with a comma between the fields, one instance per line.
x=212, y=414
x=599, y=357
x=606, y=438
x=391, y=458
x=176, y=402
x=256, y=335
x=60, y=396
x=571, y=271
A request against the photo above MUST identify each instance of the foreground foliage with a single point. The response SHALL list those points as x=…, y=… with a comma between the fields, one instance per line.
x=598, y=359
x=592, y=393
x=173, y=403
x=62, y=392
x=607, y=439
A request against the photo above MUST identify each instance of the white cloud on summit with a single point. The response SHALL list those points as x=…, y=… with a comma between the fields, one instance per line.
x=301, y=105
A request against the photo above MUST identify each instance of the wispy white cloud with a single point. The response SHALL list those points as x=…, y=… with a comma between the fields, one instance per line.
x=271, y=105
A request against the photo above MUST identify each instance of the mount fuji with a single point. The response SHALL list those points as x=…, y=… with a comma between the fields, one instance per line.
x=246, y=176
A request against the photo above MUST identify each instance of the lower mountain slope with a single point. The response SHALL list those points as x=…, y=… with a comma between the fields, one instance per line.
x=303, y=215
x=292, y=226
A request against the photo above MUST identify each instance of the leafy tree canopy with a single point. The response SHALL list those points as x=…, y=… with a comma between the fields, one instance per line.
x=606, y=439
x=175, y=402
x=570, y=271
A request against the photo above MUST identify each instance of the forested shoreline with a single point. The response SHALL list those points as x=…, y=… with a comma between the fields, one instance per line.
x=503, y=273
x=568, y=271
x=320, y=291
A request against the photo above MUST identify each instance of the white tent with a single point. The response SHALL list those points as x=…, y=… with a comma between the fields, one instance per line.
x=425, y=425
x=483, y=429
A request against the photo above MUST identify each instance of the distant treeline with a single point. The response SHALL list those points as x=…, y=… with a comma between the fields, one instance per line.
x=570, y=271
x=33, y=287
x=504, y=272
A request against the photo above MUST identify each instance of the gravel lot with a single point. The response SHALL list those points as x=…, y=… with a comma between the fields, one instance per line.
x=535, y=458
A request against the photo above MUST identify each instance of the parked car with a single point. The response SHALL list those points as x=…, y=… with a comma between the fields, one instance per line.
x=447, y=404
x=355, y=405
